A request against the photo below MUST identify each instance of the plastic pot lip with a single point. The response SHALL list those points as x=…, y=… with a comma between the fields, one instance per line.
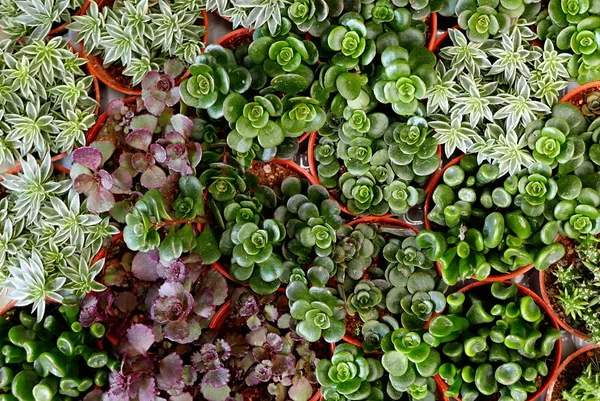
x=96, y=67
x=433, y=23
x=435, y=179
x=312, y=142
x=102, y=252
x=230, y=37
x=569, y=97
x=92, y=133
x=13, y=304
x=557, y=351
x=60, y=30
x=562, y=323
x=564, y=365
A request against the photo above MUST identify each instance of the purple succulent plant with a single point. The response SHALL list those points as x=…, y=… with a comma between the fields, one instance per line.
x=145, y=162
x=158, y=92
x=96, y=184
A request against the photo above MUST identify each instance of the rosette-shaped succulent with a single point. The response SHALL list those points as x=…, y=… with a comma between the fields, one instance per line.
x=359, y=124
x=364, y=299
x=348, y=375
x=412, y=149
x=312, y=15
x=400, y=196
x=374, y=331
x=482, y=19
x=411, y=363
x=565, y=12
x=577, y=219
x=406, y=256
x=380, y=11
x=420, y=8
x=300, y=115
x=404, y=78
x=253, y=120
x=350, y=42
x=171, y=308
x=158, y=92
x=311, y=219
x=591, y=106
x=355, y=249
x=318, y=312
x=328, y=165
x=582, y=39
x=536, y=187
x=222, y=181
x=551, y=143
x=213, y=77
x=362, y=195
x=252, y=257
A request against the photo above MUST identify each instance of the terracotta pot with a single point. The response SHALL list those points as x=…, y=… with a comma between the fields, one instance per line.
x=96, y=65
x=432, y=24
x=312, y=163
x=557, y=352
x=428, y=206
x=102, y=252
x=380, y=221
x=564, y=366
x=60, y=30
x=220, y=317
x=542, y=275
x=93, y=132
x=577, y=96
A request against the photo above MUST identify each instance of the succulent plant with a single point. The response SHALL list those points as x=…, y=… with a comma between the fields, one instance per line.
x=348, y=375
x=364, y=299
x=56, y=357
x=362, y=195
x=349, y=41
x=355, y=249
x=313, y=16
x=551, y=142
x=536, y=187
x=159, y=90
x=404, y=78
x=581, y=39
x=493, y=342
x=214, y=75
x=411, y=364
x=584, y=387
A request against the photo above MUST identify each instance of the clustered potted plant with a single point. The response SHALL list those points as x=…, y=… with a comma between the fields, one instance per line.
x=247, y=226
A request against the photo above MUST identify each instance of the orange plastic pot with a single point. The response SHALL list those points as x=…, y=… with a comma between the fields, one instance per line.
x=565, y=365
x=428, y=206
x=224, y=270
x=557, y=352
x=312, y=164
x=93, y=132
x=380, y=221
x=217, y=322
x=577, y=95
x=433, y=27
x=60, y=30
x=561, y=322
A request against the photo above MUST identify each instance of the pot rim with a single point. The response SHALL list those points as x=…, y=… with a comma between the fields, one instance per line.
x=579, y=90
x=428, y=200
x=564, y=365
x=557, y=351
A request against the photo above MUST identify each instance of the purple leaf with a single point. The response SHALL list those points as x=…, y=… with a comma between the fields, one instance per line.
x=257, y=337
x=217, y=283
x=153, y=177
x=182, y=397
x=150, y=79
x=122, y=181
x=182, y=124
x=217, y=377
x=154, y=106
x=173, y=97
x=126, y=302
x=195, y=154
x=174, y=137
x=203, y=305
x=139, y=139
x=141, y=161
x=106, y=179
x=275, y=342
x=145, y=121
x=83, y=183
x=177, y=271
x=180, y=332
x=88, y=157
x=147, y=390
x=100, y=200
x=141, y=338
x=171, y=369
x=171, y=289
x=301, y=390
x=283, y=364
x=159, y=153
x=115, y=108
x=144, y=265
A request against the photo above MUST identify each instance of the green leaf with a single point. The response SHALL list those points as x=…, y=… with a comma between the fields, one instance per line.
x=207, y=246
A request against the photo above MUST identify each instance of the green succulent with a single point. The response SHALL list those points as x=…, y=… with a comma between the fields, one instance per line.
x=400, y=197
x=349, y=40
x=364, y=300
x=374, y=331
x=222, y=181
x=348, y=375
x=362, y=195
x=482, y=19
x=313, y=16
x=300, y=115
x=536, y=187
x=565, y=12
x=328, y=167
x=411, y=364
x=405, y=256
x=141, y=231
x=577, y=219
x=214, y=75
x=355, y=249
x=586, y=386
x=495, y=341
x=404, y=78
x=582, y=39
x=551, y=143
x=412, y=149
x=318, y=312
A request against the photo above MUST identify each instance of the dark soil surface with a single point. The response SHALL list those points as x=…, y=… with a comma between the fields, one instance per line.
x=271, y=174
x=568, y=377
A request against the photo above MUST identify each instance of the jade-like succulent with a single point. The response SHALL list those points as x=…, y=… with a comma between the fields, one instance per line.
x=222, y=181
x=363, y=300
x=313, y=16
x=591, y=106
x=420, y=9
x=582, y=39
x=355, y=249
x=328, y=167
x=214, y=75
x=53, y=358
x=565, y=12
x=411, y=364
x=536, y=187
x=349, y=374
x=404, y=78
x=482, y=19
x=362, y=195
x=317, y=310
x=300, y=115
x=551, y=142
x=412, y=149
x=374, y=331
x=400, y=197
x=311, y=220
x=495, y=341
x=350, y=42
